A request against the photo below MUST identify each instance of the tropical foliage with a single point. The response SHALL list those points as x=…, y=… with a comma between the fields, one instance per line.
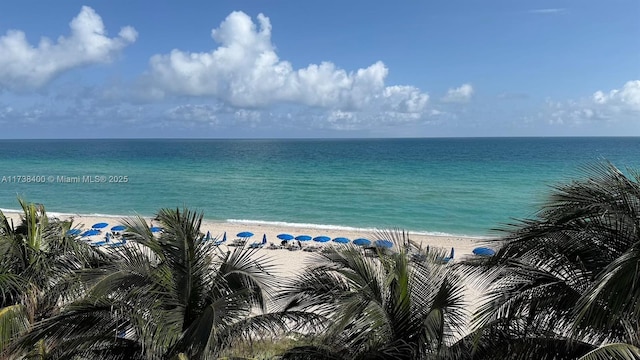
x=37, y=260
x=385, y=306
x=168, y=296
x=566, y=284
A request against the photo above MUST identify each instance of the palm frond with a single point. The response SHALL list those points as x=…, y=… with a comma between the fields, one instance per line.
x=616, y=351
x=14, y=321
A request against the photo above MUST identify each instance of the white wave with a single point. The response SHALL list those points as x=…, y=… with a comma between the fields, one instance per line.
x=341, y=228
x=10, y=210
x=269, y=223
x=67, y=214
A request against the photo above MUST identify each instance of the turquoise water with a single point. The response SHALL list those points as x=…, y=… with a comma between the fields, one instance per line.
x=454, y=186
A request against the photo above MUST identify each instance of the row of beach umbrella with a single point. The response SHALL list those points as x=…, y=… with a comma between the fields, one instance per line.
x=481, y=251
x=339, y=240
x=95, y=229
x=244, y=235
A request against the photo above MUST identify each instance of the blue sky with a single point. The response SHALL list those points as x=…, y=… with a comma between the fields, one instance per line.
x=275, y=69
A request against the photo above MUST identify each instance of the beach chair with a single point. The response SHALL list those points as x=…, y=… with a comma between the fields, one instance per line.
x=106, y=241
x=370, y=251
x=446, y=259
x=223, y=240
x=118, y=244
x=258, y=245
x=293, y=247
x=242, y=238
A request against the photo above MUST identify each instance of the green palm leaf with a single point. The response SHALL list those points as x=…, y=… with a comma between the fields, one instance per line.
x=615, y=351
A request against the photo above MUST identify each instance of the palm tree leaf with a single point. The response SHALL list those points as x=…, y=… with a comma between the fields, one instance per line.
x=616, y=351
x=13, y=322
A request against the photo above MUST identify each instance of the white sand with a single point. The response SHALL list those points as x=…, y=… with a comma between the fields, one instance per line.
x=288, y=261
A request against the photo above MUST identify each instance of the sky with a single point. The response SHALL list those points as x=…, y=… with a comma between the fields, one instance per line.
x=324, y=69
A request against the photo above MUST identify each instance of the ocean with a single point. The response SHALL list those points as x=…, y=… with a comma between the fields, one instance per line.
x=458, y=186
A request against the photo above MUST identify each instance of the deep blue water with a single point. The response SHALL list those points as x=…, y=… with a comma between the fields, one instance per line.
x=459, y=186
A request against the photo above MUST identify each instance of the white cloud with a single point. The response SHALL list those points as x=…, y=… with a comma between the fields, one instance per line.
x=627, y=98
x=5, y=112
x=23, y=66
x=405, y=99
x=460, y=94
x=245, y=72
x=248, y=117
x=190, y=113
x=616, y=106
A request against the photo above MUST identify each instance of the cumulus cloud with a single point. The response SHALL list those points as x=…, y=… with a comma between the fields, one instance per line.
x=627, y=98
x=617, y=105
x=23, y=66
x=460, y=94
x=244, y=71
x=405, y=99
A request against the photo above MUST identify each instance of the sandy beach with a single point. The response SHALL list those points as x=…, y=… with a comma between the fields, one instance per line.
x=286, y=261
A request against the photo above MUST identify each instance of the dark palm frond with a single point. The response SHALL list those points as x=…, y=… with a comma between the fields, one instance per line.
x=13, y=322
x=171, y=293
x=80, y=327
x=38, y=262
x=614, y=295
x=568, y=276
x=242, y=271
x=314, y=352
x=616, y=351
x=385, y=307
x=498, y=343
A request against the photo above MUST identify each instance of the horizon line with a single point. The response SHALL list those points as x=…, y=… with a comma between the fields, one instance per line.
x=336, y=138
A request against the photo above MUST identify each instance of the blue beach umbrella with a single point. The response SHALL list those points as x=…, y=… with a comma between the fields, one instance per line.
x=91, y=232
x=341, y=240
x=208, y=236
x=99, y=225
x=383, y=244
x=303, y=237
x=285, y=237
x=74, y=232
x=484, y=251
x=321, y=239
x=362, y=242
x=244, y=234
x=155, y=229
x=118, y=228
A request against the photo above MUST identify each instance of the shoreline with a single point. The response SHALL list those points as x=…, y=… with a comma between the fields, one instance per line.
x=463, y=245
x=260, y=223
